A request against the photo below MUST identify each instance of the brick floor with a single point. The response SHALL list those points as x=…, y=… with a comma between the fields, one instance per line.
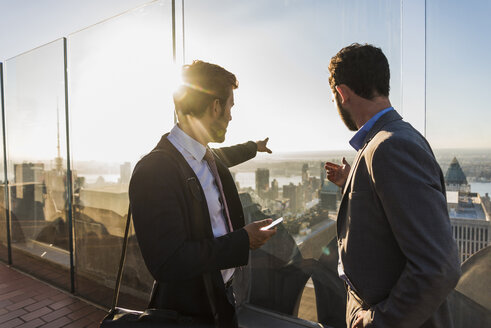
x=26, y=302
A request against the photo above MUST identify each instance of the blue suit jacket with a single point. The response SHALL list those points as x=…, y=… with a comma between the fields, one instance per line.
x=394, y=233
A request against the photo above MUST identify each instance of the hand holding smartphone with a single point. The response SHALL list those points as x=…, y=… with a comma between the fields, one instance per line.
x=273, y=224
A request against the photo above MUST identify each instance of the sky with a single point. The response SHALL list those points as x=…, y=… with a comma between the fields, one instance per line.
x=280, y=52
x=27, y=24
x=458, y=71
x=121, y=74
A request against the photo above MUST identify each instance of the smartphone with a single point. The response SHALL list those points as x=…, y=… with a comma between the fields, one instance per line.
x=274, y=223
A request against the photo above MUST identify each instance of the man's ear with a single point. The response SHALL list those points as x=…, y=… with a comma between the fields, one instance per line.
x=344, y=92
x=215, y=108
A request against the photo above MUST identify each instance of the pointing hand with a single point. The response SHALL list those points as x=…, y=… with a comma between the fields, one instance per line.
x=262, y=146
x=337, y=174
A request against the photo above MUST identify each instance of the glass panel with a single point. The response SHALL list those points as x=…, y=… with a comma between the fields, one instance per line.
x=457, y=125
x=3, y=219
x=121, y=82
x=457, y=120
x=280, y=51
x=36, y=143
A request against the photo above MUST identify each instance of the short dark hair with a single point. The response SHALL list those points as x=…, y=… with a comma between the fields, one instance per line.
x=202, y=84
x=363, y=68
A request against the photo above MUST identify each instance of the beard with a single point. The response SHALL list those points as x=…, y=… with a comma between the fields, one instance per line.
x=345, y=116
x=218, y=129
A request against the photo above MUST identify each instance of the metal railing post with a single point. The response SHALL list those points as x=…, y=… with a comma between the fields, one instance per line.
x=68, y=171
x=6, y=182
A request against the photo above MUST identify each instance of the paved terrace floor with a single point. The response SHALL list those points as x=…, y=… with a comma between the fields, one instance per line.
x=26, y=302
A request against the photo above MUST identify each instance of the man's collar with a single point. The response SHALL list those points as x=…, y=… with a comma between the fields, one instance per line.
x=196, y=149
x=358, y=139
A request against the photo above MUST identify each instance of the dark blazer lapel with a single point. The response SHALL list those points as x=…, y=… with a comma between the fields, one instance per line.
x=342, y=209
x=341, y=212
x=381, y=122
x=192, y=180
x=353, y=168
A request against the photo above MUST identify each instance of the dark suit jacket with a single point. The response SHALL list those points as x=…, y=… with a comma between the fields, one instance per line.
x=394, y=232
x=173, y=229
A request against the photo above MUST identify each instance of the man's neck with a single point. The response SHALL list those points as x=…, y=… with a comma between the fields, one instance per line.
x=194, y=132
x=369, y=108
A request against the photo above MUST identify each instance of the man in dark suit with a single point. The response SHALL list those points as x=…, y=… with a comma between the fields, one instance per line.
x=397, y=254
x=187, y=213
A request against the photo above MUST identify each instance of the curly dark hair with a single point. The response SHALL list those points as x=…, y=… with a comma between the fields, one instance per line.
x=202, y=84
x=363, y=68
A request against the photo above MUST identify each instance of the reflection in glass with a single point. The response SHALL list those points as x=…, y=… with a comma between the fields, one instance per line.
x=279, y=52
x=121, y=82
x=36, y=145
x=296, y=271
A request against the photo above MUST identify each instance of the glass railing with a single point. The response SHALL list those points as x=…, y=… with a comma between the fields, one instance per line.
x=36, y=148
x=279, y=52
x=121, y=76
x=4, y=231
x=121, y=81
x=457, y=125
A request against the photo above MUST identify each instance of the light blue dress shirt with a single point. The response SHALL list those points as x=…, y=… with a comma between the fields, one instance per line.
x=194, y=152
x=357, y=141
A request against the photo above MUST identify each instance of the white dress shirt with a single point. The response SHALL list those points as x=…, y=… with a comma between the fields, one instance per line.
x=194, y=153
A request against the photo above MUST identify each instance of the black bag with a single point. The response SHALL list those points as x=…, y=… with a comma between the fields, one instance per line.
x=121, y=318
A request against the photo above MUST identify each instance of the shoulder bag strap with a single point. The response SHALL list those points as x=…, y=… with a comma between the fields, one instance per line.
x=121, y=261
x=206, y=277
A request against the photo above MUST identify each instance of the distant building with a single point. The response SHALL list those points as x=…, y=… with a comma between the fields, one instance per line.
x=125, y=173
x=328, y=195
x=295, y=196
x=469, y=217
x=315, y=183
x=455, y=179
x=486, y=201
x=307, y=193
x=28, y=189
x=305, y=173
x=273, y=192
x=322, y=174
x=262, y=182
x=471, y=227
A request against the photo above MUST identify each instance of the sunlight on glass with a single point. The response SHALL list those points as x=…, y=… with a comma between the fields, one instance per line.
x=173, y=77
x=122, y=73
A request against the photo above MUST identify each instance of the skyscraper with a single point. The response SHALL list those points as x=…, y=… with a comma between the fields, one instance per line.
x=455, y=179
x=262, y=182
x=305, y=173
x=471, y=226
x=295, y=196
x=274, y=189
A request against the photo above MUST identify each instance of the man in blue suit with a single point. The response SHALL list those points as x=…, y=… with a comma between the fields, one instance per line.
x=398, y=258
